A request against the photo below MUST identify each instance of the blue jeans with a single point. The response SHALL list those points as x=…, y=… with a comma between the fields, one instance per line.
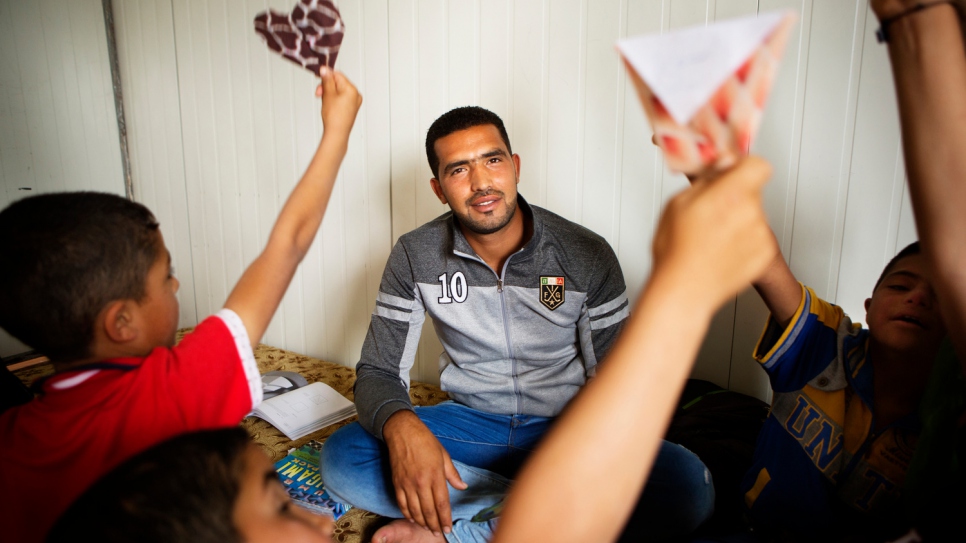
x=487, y=450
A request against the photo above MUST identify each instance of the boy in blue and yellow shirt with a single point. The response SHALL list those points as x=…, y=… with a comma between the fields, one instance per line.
x=832, y=457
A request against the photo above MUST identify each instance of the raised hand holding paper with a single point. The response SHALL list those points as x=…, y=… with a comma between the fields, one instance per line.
x=704, y=88
x=310, y=36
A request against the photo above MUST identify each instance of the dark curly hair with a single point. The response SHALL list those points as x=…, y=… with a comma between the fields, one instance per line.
x=458, y=119
x=66, y=256
x=908, y=250
x=183, y=489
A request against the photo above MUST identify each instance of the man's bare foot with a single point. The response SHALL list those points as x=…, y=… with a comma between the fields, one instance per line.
x=403, y=531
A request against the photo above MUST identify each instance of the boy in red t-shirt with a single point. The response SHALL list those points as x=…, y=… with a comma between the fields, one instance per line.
x=87, y=281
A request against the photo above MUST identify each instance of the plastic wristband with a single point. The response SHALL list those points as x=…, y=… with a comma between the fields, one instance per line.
x=882, y=34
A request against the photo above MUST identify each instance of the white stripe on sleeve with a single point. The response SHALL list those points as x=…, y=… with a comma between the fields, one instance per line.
x=244, y=346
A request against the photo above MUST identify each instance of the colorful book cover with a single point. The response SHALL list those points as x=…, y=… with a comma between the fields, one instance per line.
x=299, y=473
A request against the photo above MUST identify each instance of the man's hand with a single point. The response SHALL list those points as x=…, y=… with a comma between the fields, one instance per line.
x=714, y=236
x=421, y=467
x=340, y=101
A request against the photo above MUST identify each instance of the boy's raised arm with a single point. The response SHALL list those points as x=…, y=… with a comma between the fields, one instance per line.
x=929, y=66
x=712, y=240
x=778, y=288
x=259, y=291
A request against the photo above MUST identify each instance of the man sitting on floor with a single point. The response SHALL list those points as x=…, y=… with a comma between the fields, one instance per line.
x=526, y=304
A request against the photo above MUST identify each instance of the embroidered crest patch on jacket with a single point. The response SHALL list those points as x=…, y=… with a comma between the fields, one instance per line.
x=552, y=292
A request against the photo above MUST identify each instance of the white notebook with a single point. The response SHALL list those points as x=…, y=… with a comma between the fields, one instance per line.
x=300, y=412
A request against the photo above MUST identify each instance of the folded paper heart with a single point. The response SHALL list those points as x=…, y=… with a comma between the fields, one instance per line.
x=704, y=89
x=310, y=36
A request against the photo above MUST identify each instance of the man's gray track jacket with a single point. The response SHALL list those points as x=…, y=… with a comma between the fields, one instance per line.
x=523, y=342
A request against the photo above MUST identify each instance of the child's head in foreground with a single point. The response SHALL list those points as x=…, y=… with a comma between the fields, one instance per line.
x=209, y=486
x=82, y=268
x=903, y=312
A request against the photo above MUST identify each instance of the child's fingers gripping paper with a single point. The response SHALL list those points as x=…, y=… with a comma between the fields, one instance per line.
x=715, y=234
x=310, y=36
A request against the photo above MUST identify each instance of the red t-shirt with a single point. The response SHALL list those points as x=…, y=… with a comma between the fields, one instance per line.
x=90, y=420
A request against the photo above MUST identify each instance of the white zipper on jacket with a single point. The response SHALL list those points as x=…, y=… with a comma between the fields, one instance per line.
x=506, y=322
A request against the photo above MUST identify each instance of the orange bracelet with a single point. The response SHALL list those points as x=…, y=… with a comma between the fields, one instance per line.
x=882, y=34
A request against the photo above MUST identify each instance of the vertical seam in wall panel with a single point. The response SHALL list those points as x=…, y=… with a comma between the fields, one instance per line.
x=420, y=350
x=252, y=113
x=662, y=172
x=51, y=68
x=370, y=269
x=150, y=148
x=279, y=314
x=476, y=53
x=53, y=116
x=845, y=162
x=657, y=189
x=391, y=150
x=511, y=37
x=416, y=80
x=581, y=112
x=155, y=185
x=338, y=192
x=204, y=234
x=895, y=205
x=161, y=11
x=92, y=75
x=795, y=165
x=236, y=197
x=107, y=12
x=23, y=105
x=37, y=181
x=212, y=303
x=364, y=177
x=619, y=132
x=280, y=197
x=297, y=277
x=184, y=163
x=543, y=180
x=85, y=156
x=446, y=46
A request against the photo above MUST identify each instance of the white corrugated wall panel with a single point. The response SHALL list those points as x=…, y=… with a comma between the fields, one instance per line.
x=58, y=129
x=642, y=165
x=549, y=69
x=875, y=185
x=149, y=77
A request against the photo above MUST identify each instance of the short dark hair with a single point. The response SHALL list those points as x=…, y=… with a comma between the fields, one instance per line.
x=908, y=250
x=66, y=256
x=183, y=489
x=458, y=119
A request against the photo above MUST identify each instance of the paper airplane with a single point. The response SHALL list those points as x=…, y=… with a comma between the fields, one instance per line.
x=704, y=88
